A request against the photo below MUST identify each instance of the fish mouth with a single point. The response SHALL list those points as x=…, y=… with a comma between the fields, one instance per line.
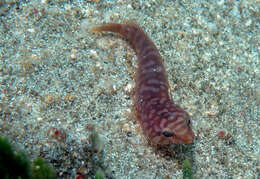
x=187, y=139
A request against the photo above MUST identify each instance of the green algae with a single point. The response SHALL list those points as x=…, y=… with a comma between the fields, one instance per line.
x=187, y=169
x=13, y=164
x=42, y=170
x=99, y=174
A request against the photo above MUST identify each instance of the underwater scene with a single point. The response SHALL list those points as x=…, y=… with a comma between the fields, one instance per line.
x=138, y=89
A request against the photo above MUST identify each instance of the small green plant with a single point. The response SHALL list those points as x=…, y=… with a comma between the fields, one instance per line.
x=99, y=174
x=42, y=170
x=187, y=169
x=13, y=164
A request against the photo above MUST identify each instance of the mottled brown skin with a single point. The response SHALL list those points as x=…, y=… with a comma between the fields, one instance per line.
x=163, y=122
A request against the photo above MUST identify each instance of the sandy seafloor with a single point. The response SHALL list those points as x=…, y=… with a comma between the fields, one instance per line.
x=58, y=77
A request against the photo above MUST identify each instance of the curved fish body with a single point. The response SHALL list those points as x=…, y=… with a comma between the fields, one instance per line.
x=163, y=122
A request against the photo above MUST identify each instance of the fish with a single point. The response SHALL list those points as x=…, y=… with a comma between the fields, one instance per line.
x=163, y=122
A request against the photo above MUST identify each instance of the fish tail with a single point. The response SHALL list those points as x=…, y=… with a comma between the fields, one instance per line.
x=131, y=31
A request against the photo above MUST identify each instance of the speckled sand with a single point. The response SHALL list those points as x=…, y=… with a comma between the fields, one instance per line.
x=54, y=74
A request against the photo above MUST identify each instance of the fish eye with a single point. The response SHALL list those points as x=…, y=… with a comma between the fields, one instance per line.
x=188, y=122
x=167, y=134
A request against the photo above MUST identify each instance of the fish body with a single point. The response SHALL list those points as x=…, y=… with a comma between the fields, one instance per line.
x=163, y=122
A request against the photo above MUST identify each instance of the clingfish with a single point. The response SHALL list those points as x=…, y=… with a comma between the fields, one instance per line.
x=162, y=121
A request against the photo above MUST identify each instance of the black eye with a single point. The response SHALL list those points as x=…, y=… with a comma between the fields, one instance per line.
x=188, y=122
x=167, y=134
